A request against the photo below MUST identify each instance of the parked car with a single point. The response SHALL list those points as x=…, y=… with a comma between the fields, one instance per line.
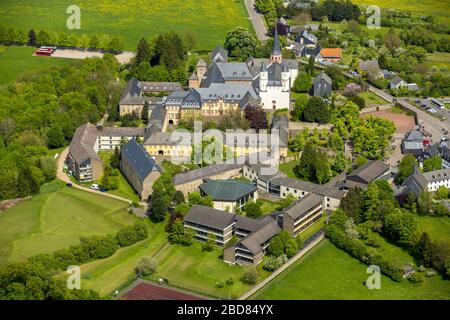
x=103, y=190
x=69, y=184
x=423, y=105
x=418, y=101
x=95, y=186
x=432, y=110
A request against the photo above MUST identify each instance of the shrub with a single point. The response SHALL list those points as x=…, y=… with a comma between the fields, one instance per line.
x=416, y=278
x=146, y=266
x=229, y=281
x=250, y=276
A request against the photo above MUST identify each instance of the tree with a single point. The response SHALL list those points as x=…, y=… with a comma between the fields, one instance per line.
x=55, y=137
x=302, y=83
x=432, y=164
x=352, y=203
x=32, y=38
x=208, y=246
x=27, y=184
x=178, y=197
x=286, y=201
x=276, y=247
x=400, y=226
x=252, y=209
x=114, y=162
x=317, y=111
x=7, y=127
x=48, y=167
x=256, y=116
x=340, y=163
x=425, y=202
x=250, y=275
x=313, y=165
x=159, y=208
x=442, y=192
x=143, y=52
x=311, y=62
x=179, y=234
x=291, y=248
x=146, y=266
x=240, y=43
x=405, y=168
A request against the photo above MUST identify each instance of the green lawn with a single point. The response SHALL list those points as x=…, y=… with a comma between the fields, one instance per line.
x=436, y=8
x=371, y=98
x=327, y=272
x=437, y=227
x=192, y=267
x=438, y=59
x=16, y=60
x=124, y=188
x=132, y=19
x=55, y=219
x=267, y=206
x=288, y=168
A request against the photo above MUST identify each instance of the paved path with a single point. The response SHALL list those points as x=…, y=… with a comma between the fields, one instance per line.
x=61, y=175
x=257, y=20
x=309, y=244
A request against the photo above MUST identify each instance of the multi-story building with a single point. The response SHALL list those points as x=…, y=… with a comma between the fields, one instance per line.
x=302, y=213
x=427, y=181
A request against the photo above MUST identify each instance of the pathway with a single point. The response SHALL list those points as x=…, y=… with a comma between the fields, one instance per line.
x=257, y=20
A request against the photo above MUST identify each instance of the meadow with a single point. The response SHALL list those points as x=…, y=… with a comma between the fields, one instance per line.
x=132, y=19
x=15, y=60
x=438, y=59
x=56, y=219
x=436, y=8
x=327, y=272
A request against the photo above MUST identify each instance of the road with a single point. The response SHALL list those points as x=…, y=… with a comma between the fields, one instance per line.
x=257, y=20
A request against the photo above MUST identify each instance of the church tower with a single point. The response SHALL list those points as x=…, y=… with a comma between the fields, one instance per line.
x=285, y=77
x=263, y=78
x=201, y=68
x=276, y=50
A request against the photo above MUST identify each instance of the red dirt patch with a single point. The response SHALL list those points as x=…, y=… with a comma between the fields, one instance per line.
x=147, y=291
x=403, y=122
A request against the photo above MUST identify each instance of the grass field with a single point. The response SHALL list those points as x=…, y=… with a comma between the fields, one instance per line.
x=437, y=227
x=436, y=8
x=288, y=168
x=124, y=188
x=16, y=60
x=371, y=98
x=55, y=219
x=131, y=19
x=327, y=272
x=438, y=59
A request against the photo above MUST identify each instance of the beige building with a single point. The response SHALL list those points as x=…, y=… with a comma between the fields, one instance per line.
x=302, y=213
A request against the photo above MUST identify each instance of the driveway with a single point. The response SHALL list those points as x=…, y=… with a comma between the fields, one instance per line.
x=257, y=20
x=61, y=175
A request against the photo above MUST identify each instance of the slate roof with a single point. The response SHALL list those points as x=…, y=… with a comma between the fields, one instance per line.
x=167, y=138
x=396, y=80
x=302, y=206
x=219, y=54
x=249, y=224
x=121, y=131
x=254, y=241
x=227, y=190
x=81, y=147
x=323, y=76
x=132, y=95
x=276, y=49
x=415, y=183
x=203, y=173
x=139, y=159
x=365, y=65
x=159, y=86
x=219, y=72
x=437, y=175
x=307, y=35
x=281, y=124
x=209, y=217
x=369, y=171
x=414, y=135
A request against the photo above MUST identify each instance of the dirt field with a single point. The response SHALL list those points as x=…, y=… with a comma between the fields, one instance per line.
x=147, y=291
x=123, y=57
x=402, y=121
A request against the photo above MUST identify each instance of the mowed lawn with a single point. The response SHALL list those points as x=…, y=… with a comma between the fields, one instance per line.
x=438, y=59
x=15, y=60
x=132, y=19
x=55, y=219
x=437, y=8
x=330, y=273
x=437, y=227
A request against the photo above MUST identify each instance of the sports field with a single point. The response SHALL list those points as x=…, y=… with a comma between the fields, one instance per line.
x=131, y=19
x=16, y=60
x=327, y=272
x=55, y=219
x=436, y=8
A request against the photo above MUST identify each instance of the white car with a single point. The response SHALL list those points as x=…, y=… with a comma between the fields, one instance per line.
x=432, y=110
x=95, y=186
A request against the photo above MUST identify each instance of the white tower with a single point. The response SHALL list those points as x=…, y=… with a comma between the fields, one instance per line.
x=285, y=76
x=263, y=78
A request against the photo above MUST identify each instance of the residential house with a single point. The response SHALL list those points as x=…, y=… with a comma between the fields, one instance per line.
x=370, y=67
x=428, y=181
x=330, y=55
x=413, y=142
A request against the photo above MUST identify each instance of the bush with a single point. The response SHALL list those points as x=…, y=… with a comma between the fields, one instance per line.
x=250, y=276
x=132, y=234
x=229, y=281
x=146, y=266
x=416, y=278
x=220, y=284
x=273, y=263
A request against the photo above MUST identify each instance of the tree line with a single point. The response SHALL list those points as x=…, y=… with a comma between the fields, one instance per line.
x=11, y=36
